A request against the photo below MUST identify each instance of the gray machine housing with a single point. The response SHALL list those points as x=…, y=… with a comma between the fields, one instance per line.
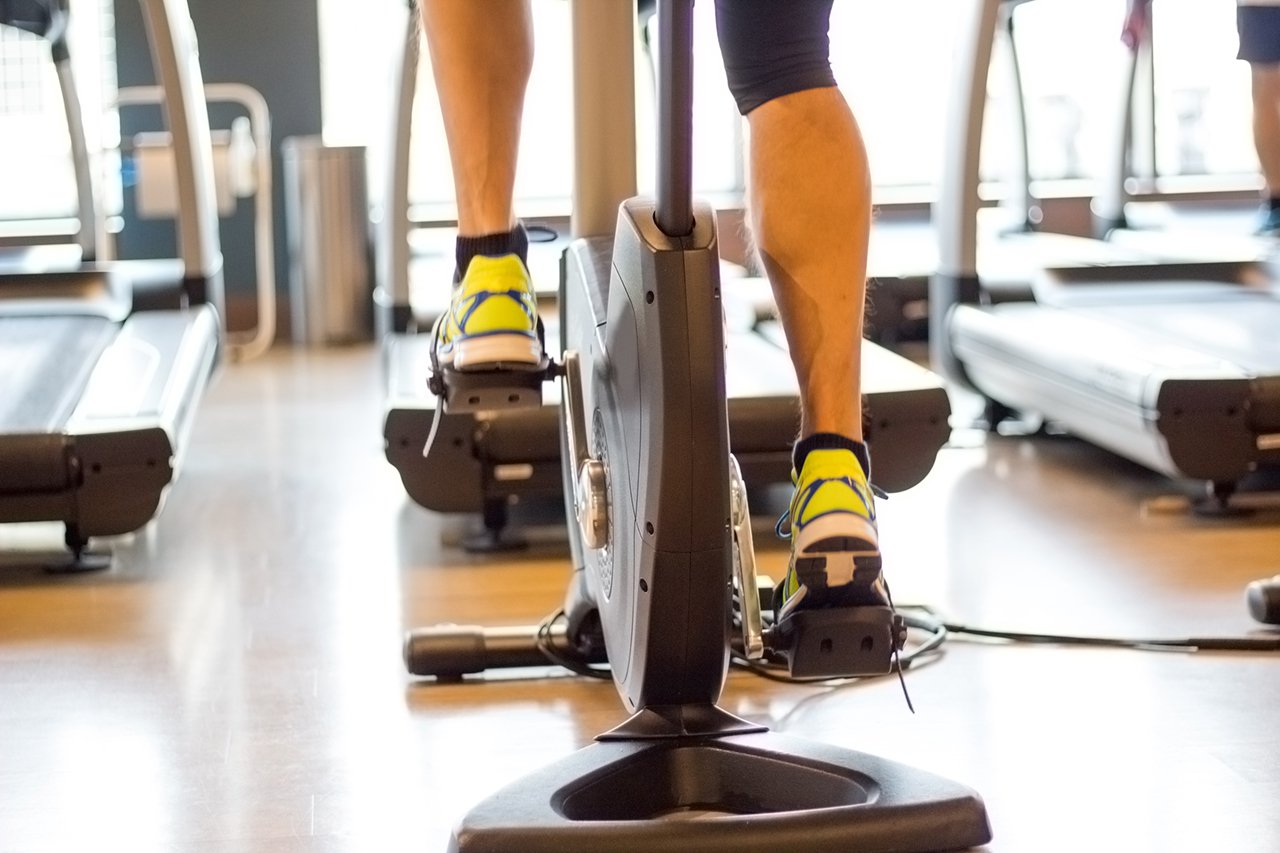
x=654, y=389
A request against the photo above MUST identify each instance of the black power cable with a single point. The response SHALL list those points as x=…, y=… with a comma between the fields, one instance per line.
x=936, y=632
x=1255, y=644
x=545, y=641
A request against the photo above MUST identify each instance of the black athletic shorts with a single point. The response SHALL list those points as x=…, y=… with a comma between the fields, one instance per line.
x=773, y=48
x=1259, y=34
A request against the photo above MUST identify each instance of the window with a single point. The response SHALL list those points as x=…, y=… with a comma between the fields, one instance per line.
x=357, y=61
x=1075, y=65
x=1203, y=105
x=894, y=61
x=36, y=177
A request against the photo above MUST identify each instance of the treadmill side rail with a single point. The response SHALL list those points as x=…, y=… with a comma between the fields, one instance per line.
x=130, y=431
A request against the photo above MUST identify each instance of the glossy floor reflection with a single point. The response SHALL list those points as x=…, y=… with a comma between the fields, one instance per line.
x=235, y=684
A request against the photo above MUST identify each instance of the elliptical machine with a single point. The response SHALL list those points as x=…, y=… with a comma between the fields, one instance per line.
x=664, y=572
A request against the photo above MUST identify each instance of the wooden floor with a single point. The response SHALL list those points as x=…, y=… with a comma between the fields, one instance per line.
x=235, y=683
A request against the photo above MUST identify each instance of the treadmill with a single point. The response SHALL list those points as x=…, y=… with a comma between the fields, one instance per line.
x=1172, y=364
x=102, y=363
x=483, y=463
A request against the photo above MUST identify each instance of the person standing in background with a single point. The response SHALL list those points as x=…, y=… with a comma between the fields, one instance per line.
x=1258, y=22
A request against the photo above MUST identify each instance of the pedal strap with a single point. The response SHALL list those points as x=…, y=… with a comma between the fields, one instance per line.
x=839, y=642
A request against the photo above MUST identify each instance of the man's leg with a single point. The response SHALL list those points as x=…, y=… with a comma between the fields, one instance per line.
x=811, y=214
x=1259, y=30
x=812, y=224
x=1266, y=137
x=482, y=55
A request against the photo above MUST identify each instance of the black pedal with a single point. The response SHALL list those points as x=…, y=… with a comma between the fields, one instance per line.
x=515, y=386
x=838, y=642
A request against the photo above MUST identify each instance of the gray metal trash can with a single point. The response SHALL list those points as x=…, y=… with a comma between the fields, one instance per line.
x=327, y=219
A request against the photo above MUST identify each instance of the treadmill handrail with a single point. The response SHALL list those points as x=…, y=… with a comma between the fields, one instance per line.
x=249, y=344
x=391, y=299
x=956, y=208
x=1108, y=206
x=176, y=59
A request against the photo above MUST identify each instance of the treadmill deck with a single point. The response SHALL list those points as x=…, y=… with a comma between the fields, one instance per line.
x=493, y=457
x=1182, y=376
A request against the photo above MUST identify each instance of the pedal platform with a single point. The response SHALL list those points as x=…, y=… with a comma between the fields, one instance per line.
x=506, y=386
x=839, y=642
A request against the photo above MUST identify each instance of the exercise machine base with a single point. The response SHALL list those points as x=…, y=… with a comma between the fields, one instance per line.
x=740, y=793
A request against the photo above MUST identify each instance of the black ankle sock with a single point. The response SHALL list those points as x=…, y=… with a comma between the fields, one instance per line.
x=830, y=441
x=1272, y=203
x=513, y=242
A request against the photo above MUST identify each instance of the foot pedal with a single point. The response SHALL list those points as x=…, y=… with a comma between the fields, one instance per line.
x=508, y=387
x=839, y=642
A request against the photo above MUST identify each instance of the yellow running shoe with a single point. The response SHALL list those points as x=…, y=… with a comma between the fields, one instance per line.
x=492, y=322
x=835, y=550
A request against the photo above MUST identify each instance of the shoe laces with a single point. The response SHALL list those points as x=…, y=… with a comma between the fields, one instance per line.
x=783, y=526
x=897, y=652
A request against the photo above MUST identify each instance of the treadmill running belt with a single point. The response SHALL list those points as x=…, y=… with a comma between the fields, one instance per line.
x=1242, y=330
x=44, y=365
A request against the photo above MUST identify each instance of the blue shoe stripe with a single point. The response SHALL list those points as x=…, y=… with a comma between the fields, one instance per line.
x=478, y=299
x=811, y=490
x=838, y=512
x=803, y=499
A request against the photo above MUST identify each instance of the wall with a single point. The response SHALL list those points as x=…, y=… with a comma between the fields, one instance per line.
x=273, y=46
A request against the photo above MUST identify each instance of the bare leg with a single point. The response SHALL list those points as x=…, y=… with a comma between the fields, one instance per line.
x=811, y=214
x=482, y=54
x=1266, y=124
